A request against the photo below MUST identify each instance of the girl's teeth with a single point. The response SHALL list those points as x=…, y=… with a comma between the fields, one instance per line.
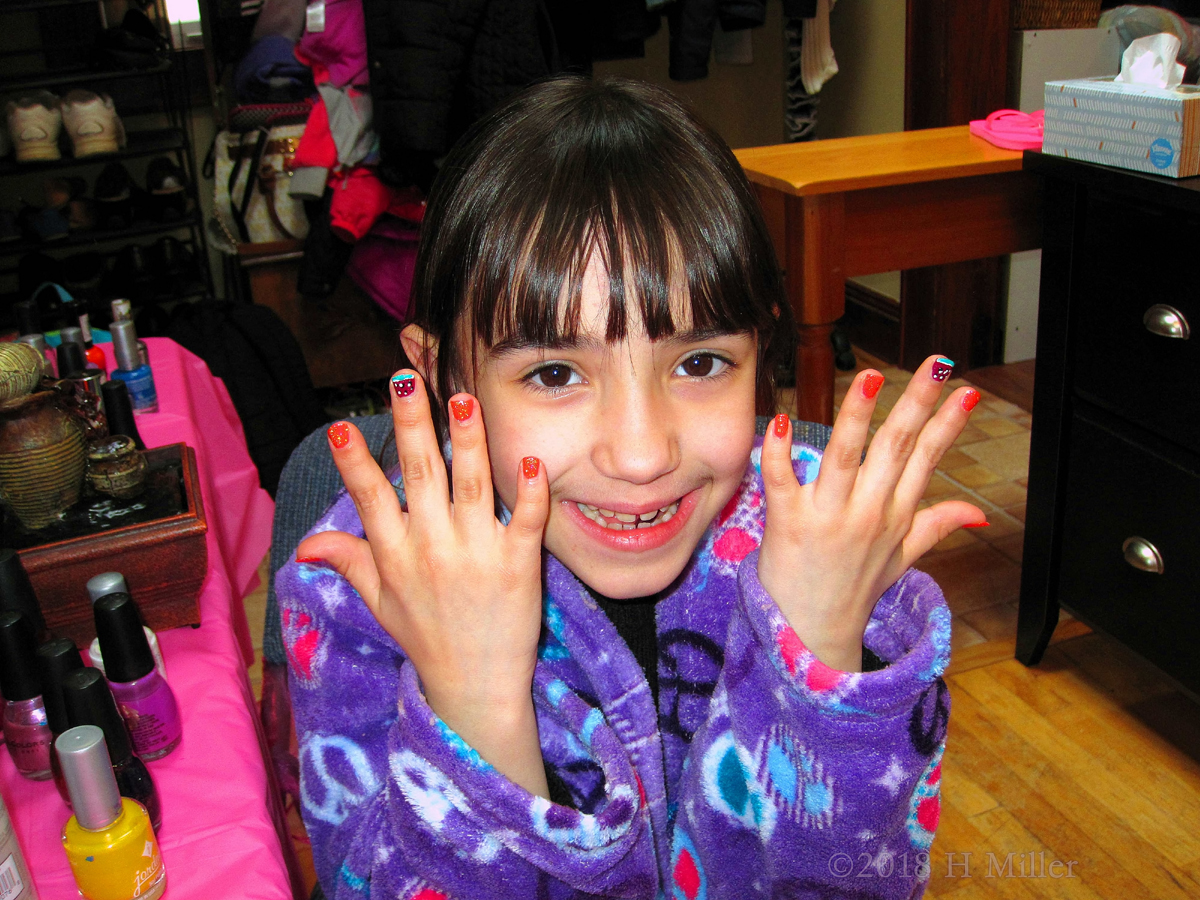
x=606, y=518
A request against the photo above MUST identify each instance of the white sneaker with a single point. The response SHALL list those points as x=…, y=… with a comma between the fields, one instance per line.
x=34, y=122
x=92, y=123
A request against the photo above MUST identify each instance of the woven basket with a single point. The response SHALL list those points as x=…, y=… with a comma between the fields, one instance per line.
x=1032, y=14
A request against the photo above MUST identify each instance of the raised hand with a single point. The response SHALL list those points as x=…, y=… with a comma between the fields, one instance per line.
x=832, y=547
x=460, y=592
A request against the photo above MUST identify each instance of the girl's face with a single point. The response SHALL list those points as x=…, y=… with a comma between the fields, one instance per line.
x=643, y=442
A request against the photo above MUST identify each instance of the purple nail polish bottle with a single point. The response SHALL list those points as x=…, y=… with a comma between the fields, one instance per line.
x=88, y=701
x=57, y=659
x=143, y=696
x=25, y=728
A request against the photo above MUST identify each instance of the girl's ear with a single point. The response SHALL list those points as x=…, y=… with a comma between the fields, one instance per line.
x=421, y=348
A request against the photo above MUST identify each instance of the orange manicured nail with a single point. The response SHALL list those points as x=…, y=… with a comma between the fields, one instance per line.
x=529, y=467
x=310, y=560
x=339, y=434
x=462, y=408
x=970, y=398
x=781, y=425
x=871, y=384
x=978, y=525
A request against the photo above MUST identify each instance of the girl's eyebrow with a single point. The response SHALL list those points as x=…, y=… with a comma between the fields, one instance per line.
x=590, y=343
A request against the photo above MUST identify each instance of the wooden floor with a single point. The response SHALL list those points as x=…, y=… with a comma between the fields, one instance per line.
x=1079, y=778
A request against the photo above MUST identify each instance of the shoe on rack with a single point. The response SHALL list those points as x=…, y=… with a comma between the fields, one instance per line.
x=82, y=275
x=168, y=189
x=34, y=123
x=134, y=44
x=92, y=123
x=114, y=189
x=44, y=224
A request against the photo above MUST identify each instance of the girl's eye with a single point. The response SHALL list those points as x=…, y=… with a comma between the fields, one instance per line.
x=554, y=375
x=702, y=365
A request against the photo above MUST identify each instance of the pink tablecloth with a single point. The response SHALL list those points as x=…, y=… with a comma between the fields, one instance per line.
x=219, y=837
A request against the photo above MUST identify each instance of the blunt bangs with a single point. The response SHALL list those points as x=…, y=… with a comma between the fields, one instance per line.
x=572, y=167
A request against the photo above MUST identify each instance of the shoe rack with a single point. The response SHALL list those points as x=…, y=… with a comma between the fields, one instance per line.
x=47, y=45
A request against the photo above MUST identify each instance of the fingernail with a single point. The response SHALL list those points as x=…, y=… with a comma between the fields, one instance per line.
x=529, y=467
x=339, y=434
x=781, y=425
x=310, y=560
x=970, y=398
x=942, y=368
x=462, y=408
x=871, y=385
x=404, y=384
x=978, y=525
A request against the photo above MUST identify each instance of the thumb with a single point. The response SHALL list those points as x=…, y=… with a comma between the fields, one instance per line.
x=929, y=526
x=347, y=555
x=532, y=507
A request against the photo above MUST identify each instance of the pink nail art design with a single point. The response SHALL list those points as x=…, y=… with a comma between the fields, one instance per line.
x=404, y=384
x=942, y=368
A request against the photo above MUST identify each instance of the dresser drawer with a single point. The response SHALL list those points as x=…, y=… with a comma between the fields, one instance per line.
x=1132, y=258
x=1116, y=490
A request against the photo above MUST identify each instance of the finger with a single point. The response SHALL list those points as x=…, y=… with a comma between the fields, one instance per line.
x=932, y=525
x=421, y=465
x=935, y=439
x=471, y=473
x=896, y=438
x=373, y=495
x=532, y=508
x=347, y=555
x=843, y=453
x=779, y=478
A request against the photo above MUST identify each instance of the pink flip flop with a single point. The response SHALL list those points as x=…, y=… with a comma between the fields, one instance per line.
x=1011, y=129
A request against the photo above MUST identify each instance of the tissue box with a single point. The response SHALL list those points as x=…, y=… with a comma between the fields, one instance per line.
x=1128, y=125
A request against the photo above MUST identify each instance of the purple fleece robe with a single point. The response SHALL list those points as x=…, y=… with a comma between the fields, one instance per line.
x=762, y=773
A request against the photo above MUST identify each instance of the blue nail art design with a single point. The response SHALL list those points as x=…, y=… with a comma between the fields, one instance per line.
x=404, y=384
x=942, y=368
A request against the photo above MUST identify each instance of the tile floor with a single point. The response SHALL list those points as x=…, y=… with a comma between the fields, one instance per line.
x=978, y=570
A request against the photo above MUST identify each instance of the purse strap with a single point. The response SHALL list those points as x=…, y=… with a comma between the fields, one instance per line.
x=252, y=175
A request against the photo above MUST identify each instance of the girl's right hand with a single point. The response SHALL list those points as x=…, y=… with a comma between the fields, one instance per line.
x=458, y=591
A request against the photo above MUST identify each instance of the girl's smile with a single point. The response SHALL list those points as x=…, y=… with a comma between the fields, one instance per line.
x=643, y=441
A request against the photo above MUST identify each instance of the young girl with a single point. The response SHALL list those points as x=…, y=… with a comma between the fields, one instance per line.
x=616, y=648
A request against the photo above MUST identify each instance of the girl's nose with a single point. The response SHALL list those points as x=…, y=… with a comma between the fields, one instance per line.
x=636, y=438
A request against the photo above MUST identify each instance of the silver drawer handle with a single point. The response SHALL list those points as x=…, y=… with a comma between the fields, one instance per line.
x=1166, y=321
x=1141, y=554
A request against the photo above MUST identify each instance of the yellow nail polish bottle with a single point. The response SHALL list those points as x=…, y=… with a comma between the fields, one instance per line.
x=109, y=841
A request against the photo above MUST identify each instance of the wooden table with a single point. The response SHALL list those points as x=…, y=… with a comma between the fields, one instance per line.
x=861, y=205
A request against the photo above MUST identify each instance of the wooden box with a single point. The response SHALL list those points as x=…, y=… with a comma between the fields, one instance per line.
x=164, y=560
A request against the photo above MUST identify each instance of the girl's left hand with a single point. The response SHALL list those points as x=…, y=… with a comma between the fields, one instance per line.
x=832, y=547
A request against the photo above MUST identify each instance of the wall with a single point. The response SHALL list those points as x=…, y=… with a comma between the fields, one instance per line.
x=743, y=103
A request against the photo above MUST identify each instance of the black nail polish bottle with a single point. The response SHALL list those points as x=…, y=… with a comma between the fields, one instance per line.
x=55, y=660
x=90, y=702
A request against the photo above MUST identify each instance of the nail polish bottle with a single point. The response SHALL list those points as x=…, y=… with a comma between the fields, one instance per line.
x=109, y=841
x=94, y=355
x=17, y=594
x=55, y=660
x=38, y=343
x=88, y=701
x=143, y=696
x=15, y=880
x=25, y=728
x=131, y=370
x=118, y=409
x=122, y=311
x=114, y=583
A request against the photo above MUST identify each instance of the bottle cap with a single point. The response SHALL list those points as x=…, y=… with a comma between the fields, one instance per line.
x=106, y=583
x=127, y=655
x=72, y=334
x=56, y=659
x=89, y=701
x=71, y=361
x=119, y=410
x=18, y=672
x=121, y=309
x=34, y=340
x=124, y=341
x=29, y=317
x=87, y=769
x=16, y=590
x=85, y=327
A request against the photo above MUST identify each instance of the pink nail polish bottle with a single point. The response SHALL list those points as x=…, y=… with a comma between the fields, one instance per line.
x=143, y=696
x=25, y=728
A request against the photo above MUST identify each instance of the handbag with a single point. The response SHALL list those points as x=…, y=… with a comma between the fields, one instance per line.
x=251, y=162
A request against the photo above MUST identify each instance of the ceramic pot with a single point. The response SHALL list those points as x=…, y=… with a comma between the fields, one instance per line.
x=116, y=467
x=42, y=459
x=21, y=368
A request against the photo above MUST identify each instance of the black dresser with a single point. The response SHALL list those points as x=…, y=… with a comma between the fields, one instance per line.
x=1112, y=529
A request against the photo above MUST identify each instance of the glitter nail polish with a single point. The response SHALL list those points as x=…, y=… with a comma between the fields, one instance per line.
x=871, y=384
x=529, y=467
x=970, y=398
x=339, y=434
x=462, y=409
x=781, y=425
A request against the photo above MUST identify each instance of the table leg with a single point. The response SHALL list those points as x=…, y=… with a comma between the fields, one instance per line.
x=816, y=287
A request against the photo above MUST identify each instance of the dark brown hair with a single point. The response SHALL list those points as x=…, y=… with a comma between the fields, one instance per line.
x=571, y=166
